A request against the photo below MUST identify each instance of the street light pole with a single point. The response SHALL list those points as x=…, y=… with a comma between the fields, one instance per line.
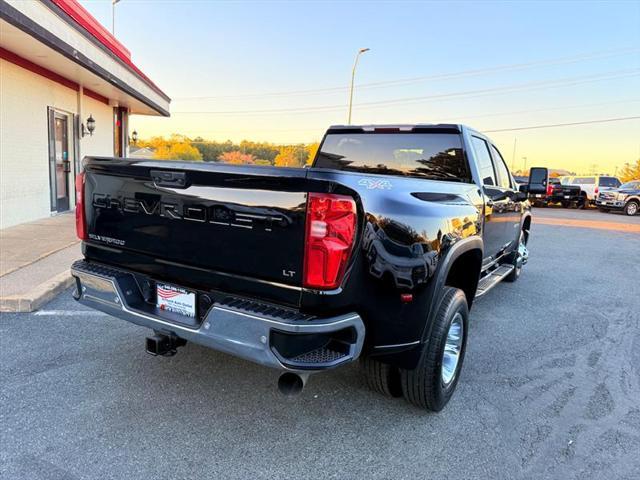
x=113, y=16
x=353, y=76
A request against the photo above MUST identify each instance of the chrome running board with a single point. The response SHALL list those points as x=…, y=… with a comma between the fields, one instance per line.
x=492, y=279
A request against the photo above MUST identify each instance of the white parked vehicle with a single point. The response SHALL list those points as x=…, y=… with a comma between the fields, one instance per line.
x=592, y=185
x=625, y=198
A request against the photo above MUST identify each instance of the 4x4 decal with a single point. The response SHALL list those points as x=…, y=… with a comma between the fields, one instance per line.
x=375, y=184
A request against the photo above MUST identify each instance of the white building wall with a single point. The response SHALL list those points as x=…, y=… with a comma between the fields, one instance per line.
x=24, y=140
x=101, y=142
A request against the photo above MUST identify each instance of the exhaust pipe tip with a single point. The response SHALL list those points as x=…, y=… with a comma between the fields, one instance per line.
x=291, y=383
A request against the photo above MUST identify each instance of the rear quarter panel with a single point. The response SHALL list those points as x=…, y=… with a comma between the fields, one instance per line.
x=407, y=226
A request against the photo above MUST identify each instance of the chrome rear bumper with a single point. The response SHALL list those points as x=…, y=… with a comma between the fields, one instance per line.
x=258, y=337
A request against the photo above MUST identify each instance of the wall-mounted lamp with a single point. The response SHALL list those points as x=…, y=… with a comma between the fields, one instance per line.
x=134, y=137
x=91, y=126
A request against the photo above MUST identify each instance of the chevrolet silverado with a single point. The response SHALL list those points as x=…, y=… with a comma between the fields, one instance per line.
x=376, y=252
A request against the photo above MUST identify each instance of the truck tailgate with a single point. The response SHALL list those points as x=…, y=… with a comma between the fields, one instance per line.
x=242, y=223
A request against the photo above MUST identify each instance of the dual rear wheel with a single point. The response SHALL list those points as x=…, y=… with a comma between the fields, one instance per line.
x=431, y=384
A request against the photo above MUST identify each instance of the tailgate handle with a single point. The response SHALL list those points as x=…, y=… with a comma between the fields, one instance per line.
x=169, y=179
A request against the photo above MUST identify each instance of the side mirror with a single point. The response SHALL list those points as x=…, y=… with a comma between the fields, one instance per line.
x=538, y=180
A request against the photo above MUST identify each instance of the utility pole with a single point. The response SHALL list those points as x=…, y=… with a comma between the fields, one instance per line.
x=525, y=164
x=113, y=17
x=353, y=76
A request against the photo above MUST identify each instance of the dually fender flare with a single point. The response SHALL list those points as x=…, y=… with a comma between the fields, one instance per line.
x=453, y=253
x=526, y=215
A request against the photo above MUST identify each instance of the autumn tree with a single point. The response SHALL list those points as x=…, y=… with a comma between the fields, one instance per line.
x=177, y=151
x=291, y=156
x=312, y=149
x=260, y=150
x=236, y=157
x=245, y=152
x=630, y=171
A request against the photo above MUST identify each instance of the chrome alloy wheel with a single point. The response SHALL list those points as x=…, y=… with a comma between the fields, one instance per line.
x=523, y=252
x=452, y=349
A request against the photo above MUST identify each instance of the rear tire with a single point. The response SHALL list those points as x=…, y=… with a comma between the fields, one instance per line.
x=632, y=208
x=432, y=383
x=381, y=377
x=517, y=265
x=583, y=204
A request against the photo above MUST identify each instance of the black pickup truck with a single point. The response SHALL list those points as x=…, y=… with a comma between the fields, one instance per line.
x=376, y=252
x=557, y=192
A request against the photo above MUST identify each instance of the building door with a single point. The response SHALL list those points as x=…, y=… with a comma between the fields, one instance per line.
x=59, y=160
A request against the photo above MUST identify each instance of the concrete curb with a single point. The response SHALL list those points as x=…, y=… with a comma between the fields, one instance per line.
x=37, y=296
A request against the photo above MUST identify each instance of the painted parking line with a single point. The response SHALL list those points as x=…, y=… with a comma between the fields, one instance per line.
x=70, y=313
x=567, y=222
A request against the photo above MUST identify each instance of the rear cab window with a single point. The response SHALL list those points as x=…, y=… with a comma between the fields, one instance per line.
x=435, y=156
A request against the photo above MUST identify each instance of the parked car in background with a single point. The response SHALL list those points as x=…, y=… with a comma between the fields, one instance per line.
x=592, y=185
x=556, y=193
x=625, y=198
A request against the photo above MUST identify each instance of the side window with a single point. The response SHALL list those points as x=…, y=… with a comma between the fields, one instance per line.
x=584, y=181
x=504, y=179
x=485, y=165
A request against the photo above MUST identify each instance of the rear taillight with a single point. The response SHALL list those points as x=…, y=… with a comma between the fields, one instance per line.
x=596, y=190
x=330, y=233
x=81, y=222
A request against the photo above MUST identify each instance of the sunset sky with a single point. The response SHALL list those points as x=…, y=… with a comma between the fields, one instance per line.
x=280, y=71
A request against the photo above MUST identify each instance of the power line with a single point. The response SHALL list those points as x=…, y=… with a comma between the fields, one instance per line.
x=457, y=118
x=586, y=122
x=424, y=78
x=537, y=110
x=410, y=100
x=553, y=125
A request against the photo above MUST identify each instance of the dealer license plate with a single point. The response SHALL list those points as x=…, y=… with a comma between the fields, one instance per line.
x=176, y=300
x=567, y=197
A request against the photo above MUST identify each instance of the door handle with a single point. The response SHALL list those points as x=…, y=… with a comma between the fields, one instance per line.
x=169, y=179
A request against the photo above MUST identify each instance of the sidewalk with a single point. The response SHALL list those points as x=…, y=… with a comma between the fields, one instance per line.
x=34, y=262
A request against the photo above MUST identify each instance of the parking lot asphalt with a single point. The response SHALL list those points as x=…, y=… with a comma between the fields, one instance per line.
x=550, y=389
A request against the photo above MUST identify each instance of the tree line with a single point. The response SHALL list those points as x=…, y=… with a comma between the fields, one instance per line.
x=181, y=147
